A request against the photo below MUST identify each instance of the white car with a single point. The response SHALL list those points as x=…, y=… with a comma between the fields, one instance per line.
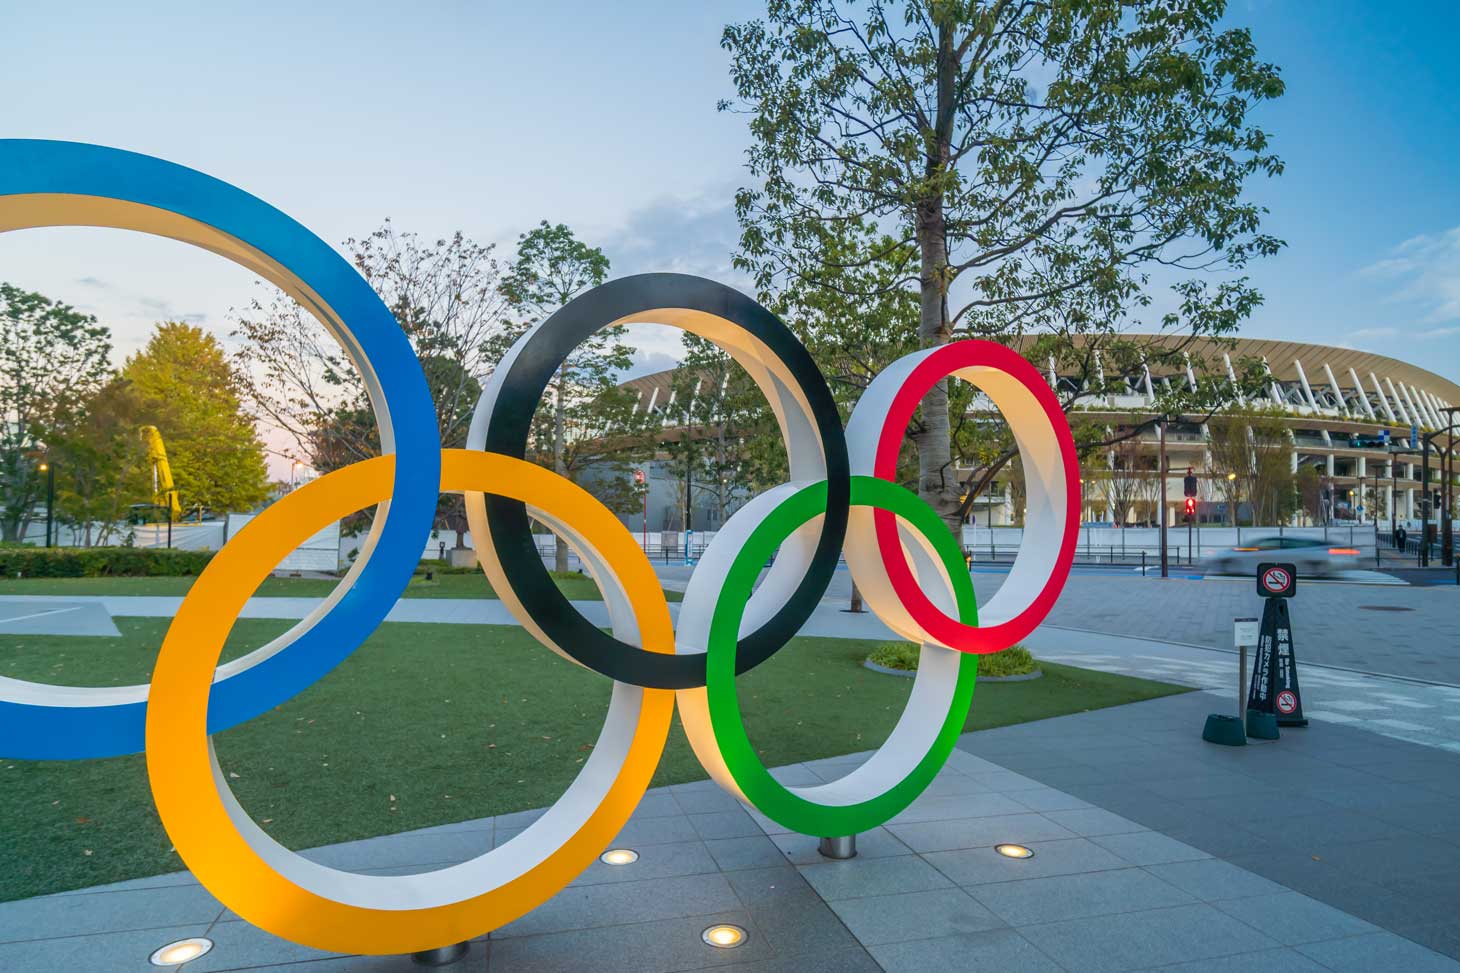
x=1313, y=557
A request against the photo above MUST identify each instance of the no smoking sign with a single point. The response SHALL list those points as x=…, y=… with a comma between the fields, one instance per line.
x=1276, y=580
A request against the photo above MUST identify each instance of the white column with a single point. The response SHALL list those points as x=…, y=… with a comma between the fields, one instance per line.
x=1307, y=389
x=1272, y=385
x=1359, y=387
x=1404, y=415
x=1383, y=402
x=1190, y=375
x=1232, y=377
x=1415, y=411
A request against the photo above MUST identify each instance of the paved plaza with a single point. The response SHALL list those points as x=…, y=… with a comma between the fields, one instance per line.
x=1333, y=848
x=1152, y=850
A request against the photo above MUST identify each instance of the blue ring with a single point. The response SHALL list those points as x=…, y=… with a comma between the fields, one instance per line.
x=44, y=732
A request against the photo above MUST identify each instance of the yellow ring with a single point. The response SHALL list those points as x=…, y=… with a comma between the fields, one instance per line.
x=223, y=848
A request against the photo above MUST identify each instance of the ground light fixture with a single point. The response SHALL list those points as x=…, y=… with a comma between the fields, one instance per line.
x=619, y=856
x=724, y=935
x=182, y=951
x=1014, y=851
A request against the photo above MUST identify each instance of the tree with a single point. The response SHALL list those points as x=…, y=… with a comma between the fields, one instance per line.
x=1123, y=484
x=446, y=294
x=101, y=463
x=52, y=357
x=183, y=383
x=590, y=422
x=1271, y=485
x=1031, y=166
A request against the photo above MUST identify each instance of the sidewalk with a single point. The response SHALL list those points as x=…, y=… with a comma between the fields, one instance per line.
x=1152, y=850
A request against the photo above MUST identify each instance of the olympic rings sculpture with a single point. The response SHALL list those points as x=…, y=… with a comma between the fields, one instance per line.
x=842, y=498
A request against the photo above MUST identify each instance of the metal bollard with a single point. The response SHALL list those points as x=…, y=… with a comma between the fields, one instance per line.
x=839, y=849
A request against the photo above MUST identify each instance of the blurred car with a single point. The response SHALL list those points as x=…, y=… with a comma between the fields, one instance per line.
x=1314, y=557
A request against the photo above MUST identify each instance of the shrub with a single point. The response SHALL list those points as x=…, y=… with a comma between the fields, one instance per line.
x=99, y=562
x=903, y=656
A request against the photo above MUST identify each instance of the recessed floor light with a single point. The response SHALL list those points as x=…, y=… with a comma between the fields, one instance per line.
x=619, y=856
x=724, y=935
x=1014, y=851
x=180, y=952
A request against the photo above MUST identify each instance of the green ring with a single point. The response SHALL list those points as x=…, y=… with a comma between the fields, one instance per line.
x=755, y=782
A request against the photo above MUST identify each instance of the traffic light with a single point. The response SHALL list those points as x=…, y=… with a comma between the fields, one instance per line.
x=1188, y=486
x=1191, y=506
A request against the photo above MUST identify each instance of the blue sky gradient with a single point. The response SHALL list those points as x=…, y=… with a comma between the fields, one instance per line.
x=490, y=116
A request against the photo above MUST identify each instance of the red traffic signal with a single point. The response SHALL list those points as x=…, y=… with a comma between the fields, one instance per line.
x=1190, y=506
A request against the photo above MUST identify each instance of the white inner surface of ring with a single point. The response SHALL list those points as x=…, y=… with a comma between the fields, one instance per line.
x=933, y=687
x=1046, y=495
x=55, y=209
x=502, y=864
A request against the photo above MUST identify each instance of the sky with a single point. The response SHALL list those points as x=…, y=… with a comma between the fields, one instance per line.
x=488, y=117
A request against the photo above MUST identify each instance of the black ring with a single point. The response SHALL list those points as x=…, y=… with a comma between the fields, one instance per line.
x=518, y=395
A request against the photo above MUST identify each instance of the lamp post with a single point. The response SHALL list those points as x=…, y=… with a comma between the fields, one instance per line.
x=1447, y=491
x=50, y=470
x=1165, y=568
x=1232, y=502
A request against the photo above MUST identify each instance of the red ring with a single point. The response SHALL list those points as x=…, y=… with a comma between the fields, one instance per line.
x=939, y=364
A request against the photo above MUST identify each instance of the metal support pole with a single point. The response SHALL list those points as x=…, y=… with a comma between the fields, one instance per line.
x=839, y=849
x=50, y=500
x=1424, y=510
x=1165, y=567
x=441, y=955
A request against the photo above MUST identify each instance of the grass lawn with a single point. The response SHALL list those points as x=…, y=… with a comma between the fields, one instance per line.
x=471, y=585
x=430, y=724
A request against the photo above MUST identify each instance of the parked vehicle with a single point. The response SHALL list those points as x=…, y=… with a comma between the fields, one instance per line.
x=1314, y=557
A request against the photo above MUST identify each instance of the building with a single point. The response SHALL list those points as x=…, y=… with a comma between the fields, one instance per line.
x=1345, y=416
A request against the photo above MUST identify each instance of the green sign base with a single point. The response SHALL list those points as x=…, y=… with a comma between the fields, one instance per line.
x=1225, y=730
x=1261, y=726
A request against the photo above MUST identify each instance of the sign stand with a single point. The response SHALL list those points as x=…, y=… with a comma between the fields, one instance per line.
x=1273, y=698
x=1220, y=728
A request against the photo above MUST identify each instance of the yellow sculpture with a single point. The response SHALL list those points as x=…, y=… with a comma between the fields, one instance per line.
x=163, y=493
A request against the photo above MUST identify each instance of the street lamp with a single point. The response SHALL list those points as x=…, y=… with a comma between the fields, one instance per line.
x=50, y=472
x=1232, y=496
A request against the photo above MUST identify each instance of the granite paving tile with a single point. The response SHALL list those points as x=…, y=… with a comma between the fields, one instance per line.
x=995, y=951
x=872, y=876
x=928, y=836
x=1377, y=951
x=1142, y=939
x=1293, y=918
x=1076, y=896
x=881, y=919
x=978, y=866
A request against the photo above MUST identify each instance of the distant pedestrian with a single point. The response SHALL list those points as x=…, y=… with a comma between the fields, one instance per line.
x=1401, y=536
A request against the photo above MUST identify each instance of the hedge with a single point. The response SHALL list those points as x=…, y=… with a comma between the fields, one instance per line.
x=99, y=562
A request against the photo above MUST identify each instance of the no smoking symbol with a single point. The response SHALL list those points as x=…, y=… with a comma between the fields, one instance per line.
x=1276, y=580
x=1287, y=701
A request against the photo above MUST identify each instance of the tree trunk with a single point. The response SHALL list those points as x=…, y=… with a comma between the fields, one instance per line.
x=560, y=552
x=936, y=481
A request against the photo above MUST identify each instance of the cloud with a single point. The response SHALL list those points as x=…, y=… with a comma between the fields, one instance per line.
x=1425, y=271
x=686, y=235
x=95, y=282
x=1362, y=333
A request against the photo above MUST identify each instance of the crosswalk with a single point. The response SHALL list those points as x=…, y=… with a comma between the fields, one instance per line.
x=1418, y=713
